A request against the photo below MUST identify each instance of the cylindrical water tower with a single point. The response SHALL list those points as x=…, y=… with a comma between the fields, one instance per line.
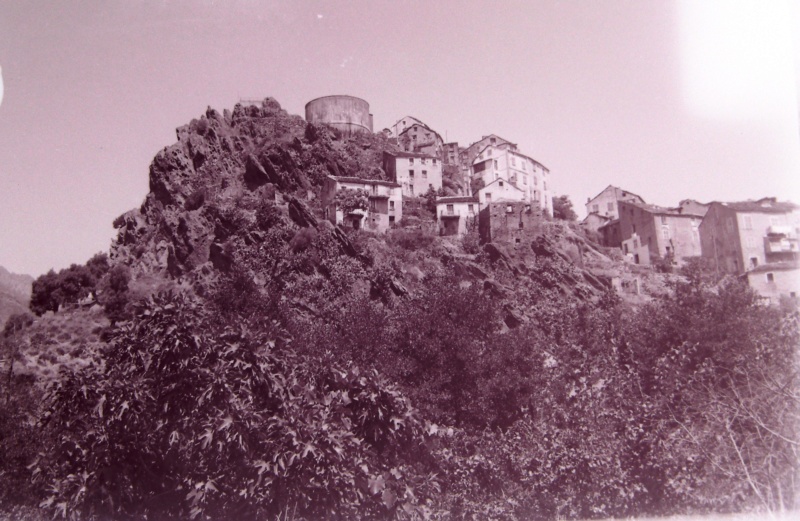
x=345, y=113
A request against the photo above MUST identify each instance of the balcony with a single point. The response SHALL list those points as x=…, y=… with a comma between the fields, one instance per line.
x=779, y=230
x=781, y=245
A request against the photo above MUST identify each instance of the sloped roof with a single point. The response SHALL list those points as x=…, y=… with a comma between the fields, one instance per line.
x=775, y=266
x=660, y=210
x=346, y=179
x=410, y=154
x=618, y=193
x=456, y=199
x=501, y=180
x=764, y=205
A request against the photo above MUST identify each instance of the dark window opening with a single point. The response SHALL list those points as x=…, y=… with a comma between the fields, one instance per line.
x=770, y=277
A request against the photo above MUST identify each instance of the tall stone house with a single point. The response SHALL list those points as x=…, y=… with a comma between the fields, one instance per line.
x=502, y=172
x=606, y=203
x=414, y=136
x=384, y=206
x=415, y=173
x=740, y=236
x=651, y=232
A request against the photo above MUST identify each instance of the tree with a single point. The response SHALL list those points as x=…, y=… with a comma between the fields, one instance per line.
x=562, y=208
x=349, y=200
x=68, y=286
x=190, y=418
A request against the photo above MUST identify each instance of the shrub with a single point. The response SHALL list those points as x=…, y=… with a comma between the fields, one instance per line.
x=411, y=239
x=191, y=418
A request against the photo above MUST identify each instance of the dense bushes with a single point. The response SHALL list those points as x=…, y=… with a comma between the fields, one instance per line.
x=191, y=418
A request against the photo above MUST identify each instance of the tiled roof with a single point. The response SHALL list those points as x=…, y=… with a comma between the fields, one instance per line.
x=776, y=266
x=660, y=210
x=456, y=199
x=345, y=179
x=410, y=154
x=765, y=205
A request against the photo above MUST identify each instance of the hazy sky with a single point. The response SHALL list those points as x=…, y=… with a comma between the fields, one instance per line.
x=670, y=100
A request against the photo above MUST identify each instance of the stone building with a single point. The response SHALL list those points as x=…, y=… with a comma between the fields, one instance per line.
x=741, y=236
x=412, y=135
x=416, y=173
x=775, y=280
x=606, y=203
x=515, y=223
x=347, y=114
x=384, y=207
x=530, y=177
x=456, y=214
x=666, y=233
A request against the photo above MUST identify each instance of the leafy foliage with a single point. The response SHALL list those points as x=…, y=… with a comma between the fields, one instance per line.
x=562, y=208
x=194, y=419
x=350, y=200
x=68, y=286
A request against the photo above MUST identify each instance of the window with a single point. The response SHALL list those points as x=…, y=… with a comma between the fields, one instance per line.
x=513, y=161
x=521, y=225
x=750, y=242
x=470, y=209
x=424, y=175
x=488, y=198
x=770, y=277
x=500, y=183
x=748, y=222
x=636, y=244
x=753, y=262
x=509, y=208
x=524, y=163
x=535, y=180
x=596, y=208
x=411, y=175
x=663, y=219
x=544, y=185
x=391, y=219
x=488, y=152
x=495, y=164
x=391, y=206
x=434, y=160
x=524, y=179
x=450, y=209
x=410, y=160
x=422, y=160
x=665, y=232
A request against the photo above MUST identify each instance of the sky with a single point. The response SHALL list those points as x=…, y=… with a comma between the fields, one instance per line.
x=667, y=99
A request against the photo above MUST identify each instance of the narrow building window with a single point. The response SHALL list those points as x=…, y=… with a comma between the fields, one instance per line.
x=770, y=277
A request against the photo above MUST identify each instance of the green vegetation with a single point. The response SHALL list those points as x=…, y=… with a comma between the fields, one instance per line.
x=562, y=208
x=312, y=373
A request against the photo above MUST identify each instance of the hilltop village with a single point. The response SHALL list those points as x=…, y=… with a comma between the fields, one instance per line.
x=502, y=192
x=305, y=319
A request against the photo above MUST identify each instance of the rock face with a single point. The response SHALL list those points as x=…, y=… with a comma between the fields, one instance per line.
x=214, y=193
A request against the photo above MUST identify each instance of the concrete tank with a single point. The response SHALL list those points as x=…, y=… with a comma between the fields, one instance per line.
x=345, y=113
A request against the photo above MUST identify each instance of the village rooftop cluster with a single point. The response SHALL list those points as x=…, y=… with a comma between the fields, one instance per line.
x=506, y=192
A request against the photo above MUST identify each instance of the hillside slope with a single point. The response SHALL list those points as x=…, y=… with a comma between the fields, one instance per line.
x=15, y=293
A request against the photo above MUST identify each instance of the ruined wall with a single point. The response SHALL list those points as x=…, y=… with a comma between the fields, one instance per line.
x=512, y=222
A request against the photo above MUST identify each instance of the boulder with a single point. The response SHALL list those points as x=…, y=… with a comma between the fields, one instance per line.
x=300, y=214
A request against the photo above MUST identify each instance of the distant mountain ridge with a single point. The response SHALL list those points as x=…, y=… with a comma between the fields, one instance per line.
x=15, y=294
